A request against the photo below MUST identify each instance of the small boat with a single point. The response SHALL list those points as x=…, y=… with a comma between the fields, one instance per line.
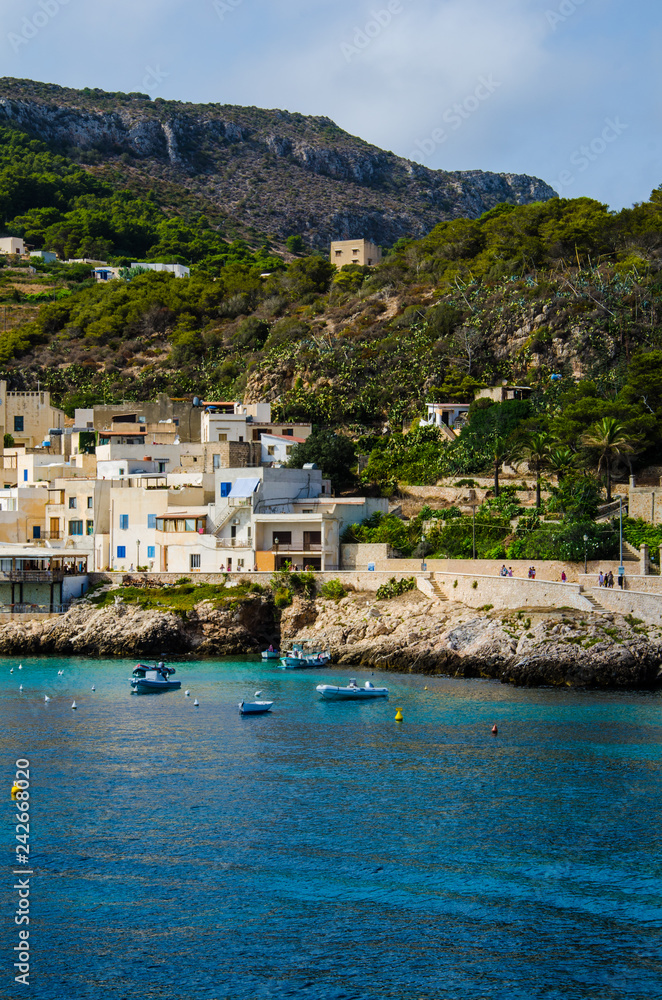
x=302, y=659
x=151, y=678
x=255, y=707
x=352, y=692
x=271, y=654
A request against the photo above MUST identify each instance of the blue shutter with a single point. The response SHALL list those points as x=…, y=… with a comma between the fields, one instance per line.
x=151, y=551
x=121, y=551
x=124, y=522
x=25, y=475
x=36, y=531
x=225, y=489
x=151, y=520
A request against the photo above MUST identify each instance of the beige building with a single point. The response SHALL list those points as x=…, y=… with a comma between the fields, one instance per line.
x=12, y=245
x=30, y=418
x=22, y=514
x=355, y=252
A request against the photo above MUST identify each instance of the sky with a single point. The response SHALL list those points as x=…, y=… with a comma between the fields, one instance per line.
x=566, y=90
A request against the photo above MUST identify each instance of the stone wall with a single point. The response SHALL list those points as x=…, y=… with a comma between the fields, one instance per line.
x=647, y=606
x=510, y=592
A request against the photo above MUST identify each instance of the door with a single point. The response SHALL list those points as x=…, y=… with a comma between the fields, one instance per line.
x=55, y=527
x=312, y=539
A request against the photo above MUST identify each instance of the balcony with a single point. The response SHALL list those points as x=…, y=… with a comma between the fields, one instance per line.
x=299, y=549
x=234, y=543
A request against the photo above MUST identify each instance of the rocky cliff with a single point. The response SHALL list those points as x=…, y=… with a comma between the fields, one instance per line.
x=410, y=634
x=274, y=171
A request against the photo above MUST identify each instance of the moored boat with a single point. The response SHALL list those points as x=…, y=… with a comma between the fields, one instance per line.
x=301, y=659
x=271, y=654
x=153, y=678
x=351, y=692
x=255, y=707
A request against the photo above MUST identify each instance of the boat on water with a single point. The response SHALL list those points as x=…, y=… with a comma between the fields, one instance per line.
x=255, y=707
x=301, y=659
x=271, y=654
x=153, y=678
x=351, y=692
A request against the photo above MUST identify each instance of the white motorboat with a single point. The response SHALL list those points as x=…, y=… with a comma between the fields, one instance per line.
x=151, y=678
x=352, y=692
x=255, y=707
x=301, y=659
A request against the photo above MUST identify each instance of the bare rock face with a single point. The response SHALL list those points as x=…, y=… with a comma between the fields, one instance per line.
x=415, y=635
x=128, y=631
x=317, y=180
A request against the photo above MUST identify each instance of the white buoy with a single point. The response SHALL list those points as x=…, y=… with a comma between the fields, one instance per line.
x=257, y=694
x=46, y=698
x=188, y=694
x=196, y=703
x=74, y=705
x=20, y=687
x=93, y=688
x=60, y=672
x=11, y=670
x=20, y=666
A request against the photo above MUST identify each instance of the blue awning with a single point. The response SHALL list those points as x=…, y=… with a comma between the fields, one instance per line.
x=244, y=488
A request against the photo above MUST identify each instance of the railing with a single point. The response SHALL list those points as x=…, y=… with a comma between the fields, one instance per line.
x=608, y=510
x=311, y=547
x=35, y=576
x=233, y=543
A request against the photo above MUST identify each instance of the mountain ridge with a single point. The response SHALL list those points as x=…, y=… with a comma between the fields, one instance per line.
x=277, y=172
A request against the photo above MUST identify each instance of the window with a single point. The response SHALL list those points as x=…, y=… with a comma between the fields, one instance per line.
x=162, y=466
x=121, y=551
x=151, y=551
x=288, y=449
x=217, y=461
x=271, y=449
x=89, y=527
x=124, y=522
x=225, y=489
x=75, y=527
x=222, y=437
x=25, y=475
x=90, y=503
x=288, y=432
x=36, y=531
x=281, y=537
x=195, y=561
x=72, y=503
x=18, y=423
x=338, y=253
x=151, y=520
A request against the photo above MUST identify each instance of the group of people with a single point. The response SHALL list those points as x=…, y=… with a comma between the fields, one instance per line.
x=605, y=579
x=532, y=572
x=506, y=572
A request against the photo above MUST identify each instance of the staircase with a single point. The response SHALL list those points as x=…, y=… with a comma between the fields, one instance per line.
x=597, y=607
x=438, y=592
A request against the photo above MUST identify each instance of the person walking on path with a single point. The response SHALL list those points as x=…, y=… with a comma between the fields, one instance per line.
x=563, y=577
x=601, y=579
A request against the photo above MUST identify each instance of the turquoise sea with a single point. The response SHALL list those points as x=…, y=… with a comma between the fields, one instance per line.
x=325, y=851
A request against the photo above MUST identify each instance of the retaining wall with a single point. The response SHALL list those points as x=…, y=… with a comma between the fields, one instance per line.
x=511, y=592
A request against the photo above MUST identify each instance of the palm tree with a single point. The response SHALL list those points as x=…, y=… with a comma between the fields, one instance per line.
x=500, y=453
x=535, y=449
x=608, y=439
x=561, y=461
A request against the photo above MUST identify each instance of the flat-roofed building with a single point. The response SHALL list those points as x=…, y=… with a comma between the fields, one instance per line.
x=361, y=252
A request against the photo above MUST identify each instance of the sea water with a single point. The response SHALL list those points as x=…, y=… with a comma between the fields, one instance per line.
x=326, y=851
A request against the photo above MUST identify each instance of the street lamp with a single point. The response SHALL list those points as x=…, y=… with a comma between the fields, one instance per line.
x=585, y=541
x=621, y=569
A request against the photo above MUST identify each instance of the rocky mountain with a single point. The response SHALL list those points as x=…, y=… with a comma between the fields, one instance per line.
x=274, y=172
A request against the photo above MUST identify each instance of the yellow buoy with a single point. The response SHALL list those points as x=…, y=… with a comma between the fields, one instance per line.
x=14, y=792
x=425, y=688
x=399, y=717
